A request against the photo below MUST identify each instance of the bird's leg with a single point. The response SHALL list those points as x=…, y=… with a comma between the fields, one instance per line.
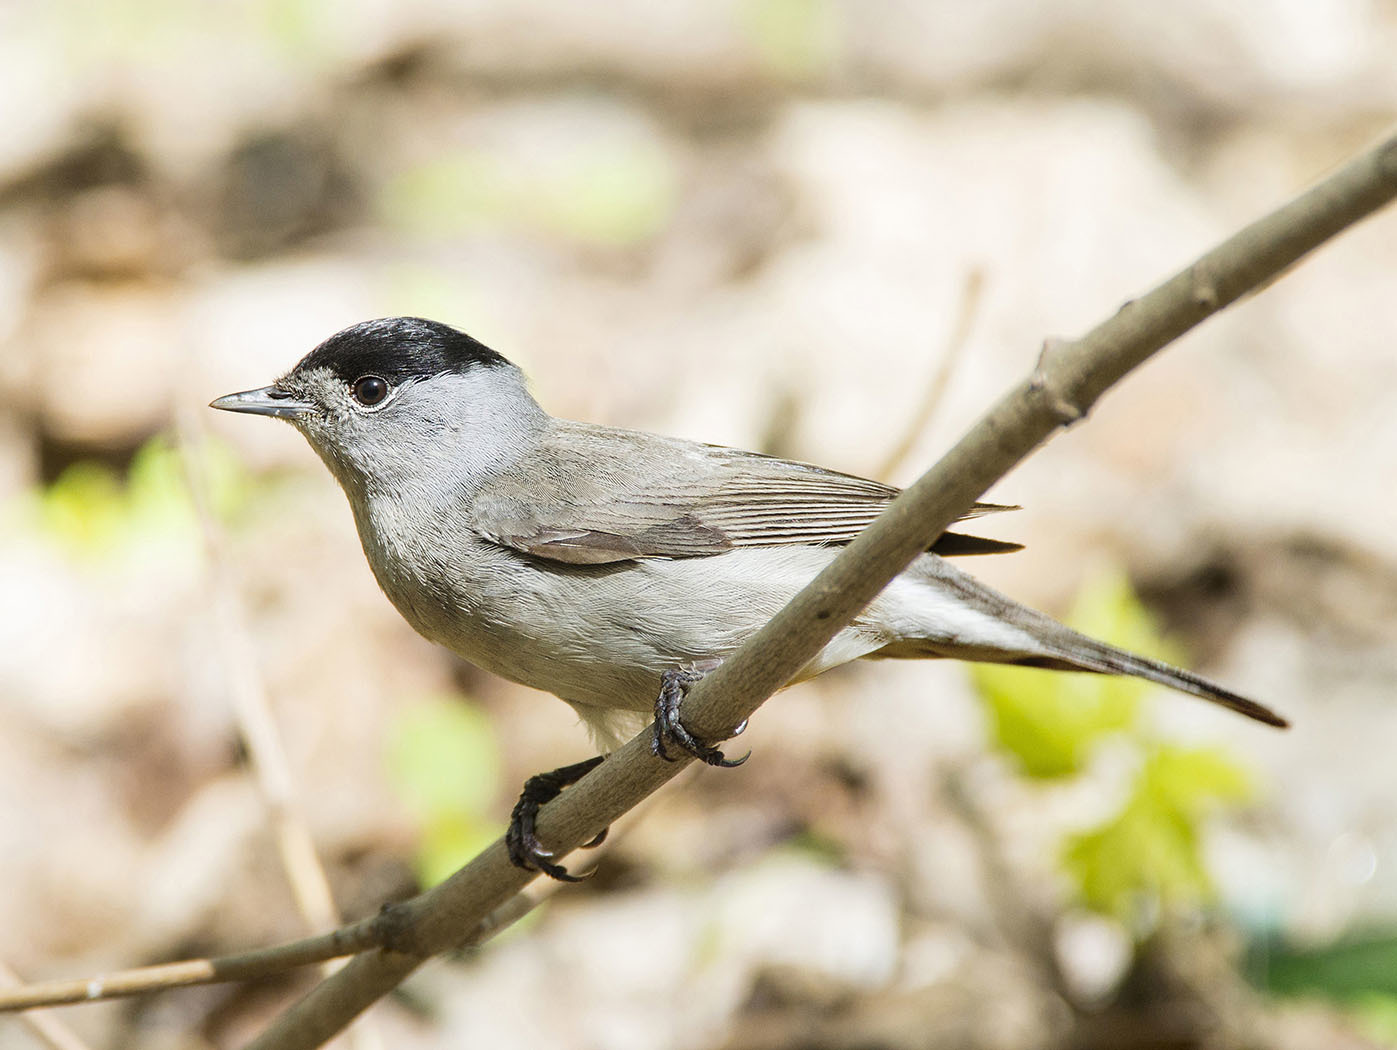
x=525, y=850
x=669, y=728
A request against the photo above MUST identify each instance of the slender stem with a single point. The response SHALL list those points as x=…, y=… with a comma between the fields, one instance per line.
x=244, y=966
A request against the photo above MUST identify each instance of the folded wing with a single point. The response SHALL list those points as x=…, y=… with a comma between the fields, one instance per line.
x=604, y=495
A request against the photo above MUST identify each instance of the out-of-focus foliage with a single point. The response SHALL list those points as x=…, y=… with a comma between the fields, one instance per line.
x=1359, y=970
x=1377, y=1014
x=1149, y=855
x=95, y=513
x=795, y=38
x=1050, y=723
x=611, y=194
x=443, y=760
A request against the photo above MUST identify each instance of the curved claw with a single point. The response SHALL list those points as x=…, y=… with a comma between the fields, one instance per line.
x=670, y=727
x=525, y=850
x=657, y=743
x=597, y=841
x=561, y=874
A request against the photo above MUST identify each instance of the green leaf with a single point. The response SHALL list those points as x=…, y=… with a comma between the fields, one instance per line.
x=443, y=760
x=1195, y=781
x=98, y=515
x=1050, y=721
x=447, y=842
x=1107, y=608
x=1376, y=1016
x=157, y=492
x=1358, y=967
x=1358, y=971
x=1150, y=854
x=85, y=509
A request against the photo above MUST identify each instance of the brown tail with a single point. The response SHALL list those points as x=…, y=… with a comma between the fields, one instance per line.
x=1101, y=658
x=1033, y=639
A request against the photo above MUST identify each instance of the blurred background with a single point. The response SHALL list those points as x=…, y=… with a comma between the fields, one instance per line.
x=825, y=229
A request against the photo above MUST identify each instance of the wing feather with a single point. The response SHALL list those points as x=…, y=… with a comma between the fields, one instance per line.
x=593, y=495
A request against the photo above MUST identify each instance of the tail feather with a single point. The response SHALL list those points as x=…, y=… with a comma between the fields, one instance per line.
x=983, y=625
x=1090, y=655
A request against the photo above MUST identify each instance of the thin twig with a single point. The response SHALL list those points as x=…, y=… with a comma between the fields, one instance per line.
x=248, y=966
x=1013, y=912
x=243, y=966
x=956, y=338
x=310, y=886
x=1067, y=382
x=251, y=709
x=46, y=1026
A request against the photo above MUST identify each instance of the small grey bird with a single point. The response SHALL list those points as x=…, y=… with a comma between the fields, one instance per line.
x=612, y=567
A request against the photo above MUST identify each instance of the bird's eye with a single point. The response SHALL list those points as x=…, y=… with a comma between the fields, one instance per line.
x=369, y=390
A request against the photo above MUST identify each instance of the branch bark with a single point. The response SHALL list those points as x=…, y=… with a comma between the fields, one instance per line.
x=262, y=962
x=252, y=965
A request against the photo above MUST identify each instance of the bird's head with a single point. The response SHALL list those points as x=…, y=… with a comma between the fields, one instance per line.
x=397, y=402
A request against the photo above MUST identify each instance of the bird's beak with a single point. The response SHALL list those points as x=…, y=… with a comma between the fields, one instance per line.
x=265, y=401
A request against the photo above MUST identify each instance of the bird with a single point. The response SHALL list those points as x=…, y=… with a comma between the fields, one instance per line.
x=613, y=567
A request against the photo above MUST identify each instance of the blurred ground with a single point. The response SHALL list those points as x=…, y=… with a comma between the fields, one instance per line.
x=752, y=223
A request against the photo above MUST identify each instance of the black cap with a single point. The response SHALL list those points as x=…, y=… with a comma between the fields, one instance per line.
x=399, y=348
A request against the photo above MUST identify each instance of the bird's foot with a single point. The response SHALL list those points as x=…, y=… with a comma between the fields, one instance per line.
x=670, y=729
x=525, y=850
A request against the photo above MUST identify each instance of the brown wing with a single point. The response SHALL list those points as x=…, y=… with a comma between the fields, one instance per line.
x=604, y=495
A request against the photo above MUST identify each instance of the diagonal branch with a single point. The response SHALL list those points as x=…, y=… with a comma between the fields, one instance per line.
x=261, y=962
x=47, y=1027
x=1070, y=377
x=361, y=936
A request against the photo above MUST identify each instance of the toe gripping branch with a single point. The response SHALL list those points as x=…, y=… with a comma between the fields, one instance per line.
x=525, y=850
x=670, y=728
